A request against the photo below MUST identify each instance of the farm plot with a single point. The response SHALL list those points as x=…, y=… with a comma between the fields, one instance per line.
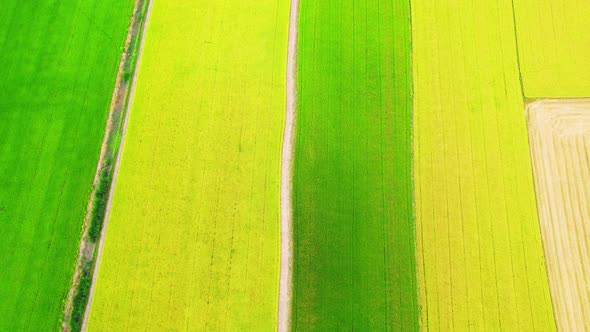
x=559, y=132
x=58, y=65
x=193, y=236
x=554, y=47
x=480, y=261
x=354, y=246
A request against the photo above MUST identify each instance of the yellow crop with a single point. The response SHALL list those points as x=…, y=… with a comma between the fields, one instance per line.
x=193, y=235
x=480, y=259
x=554, y=47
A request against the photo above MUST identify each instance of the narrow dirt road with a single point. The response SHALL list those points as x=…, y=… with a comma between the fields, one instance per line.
x=286, y=276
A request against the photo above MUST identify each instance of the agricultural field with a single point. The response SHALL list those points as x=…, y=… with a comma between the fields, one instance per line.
x=554, y=47
x=354, y=246
x=193, y=237
x=559, y=131
x=294, y=165
x=480, y=258
x=58, y=65
x=554, y=52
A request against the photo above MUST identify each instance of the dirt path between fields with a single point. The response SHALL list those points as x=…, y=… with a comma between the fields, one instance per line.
x=559, y=135
x=286, y=276
x=117, y=165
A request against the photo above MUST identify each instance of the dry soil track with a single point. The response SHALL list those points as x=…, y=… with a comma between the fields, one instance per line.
x=286, y=275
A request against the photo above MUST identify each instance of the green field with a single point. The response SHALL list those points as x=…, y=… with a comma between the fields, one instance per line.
x=354, y=256
x=58, y=61
x=192, y=240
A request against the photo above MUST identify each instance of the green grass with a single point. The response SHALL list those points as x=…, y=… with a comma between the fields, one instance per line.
x=354, y=256
x=58, y=65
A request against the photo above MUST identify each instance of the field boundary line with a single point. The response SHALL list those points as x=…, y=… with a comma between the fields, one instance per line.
x=286, y=274
x=129, y=102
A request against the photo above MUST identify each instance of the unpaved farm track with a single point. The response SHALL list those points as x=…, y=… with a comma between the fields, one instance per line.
x=559, y=132
x=286, y=276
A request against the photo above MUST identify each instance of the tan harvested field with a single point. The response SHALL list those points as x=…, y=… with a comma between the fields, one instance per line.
x=559, y=132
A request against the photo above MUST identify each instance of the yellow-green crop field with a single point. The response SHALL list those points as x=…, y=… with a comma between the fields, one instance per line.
x=193, y=235
x=554, y=47
x=480, y=257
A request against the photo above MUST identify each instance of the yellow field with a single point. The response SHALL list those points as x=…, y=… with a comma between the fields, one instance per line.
x=480, y=258
x=193, y=237
x=554, y=47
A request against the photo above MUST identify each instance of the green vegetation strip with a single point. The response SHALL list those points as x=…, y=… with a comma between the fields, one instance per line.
x=354, y=256
x=58, y=66
x=76, y=306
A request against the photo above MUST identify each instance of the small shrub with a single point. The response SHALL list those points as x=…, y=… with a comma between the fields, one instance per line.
x=126, y=76
x=81, y=298
x=100, y=203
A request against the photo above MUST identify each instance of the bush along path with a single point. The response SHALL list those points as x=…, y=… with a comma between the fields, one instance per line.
x=77, y=299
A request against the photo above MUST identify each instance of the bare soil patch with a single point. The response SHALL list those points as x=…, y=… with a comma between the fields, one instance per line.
x=559, y=134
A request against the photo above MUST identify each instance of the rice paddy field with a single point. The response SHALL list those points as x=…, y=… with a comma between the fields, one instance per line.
x=437, y=177
x=481, y=261
x=554, y=47
x=353, y=221
x=58, y=65
x=193, y=236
